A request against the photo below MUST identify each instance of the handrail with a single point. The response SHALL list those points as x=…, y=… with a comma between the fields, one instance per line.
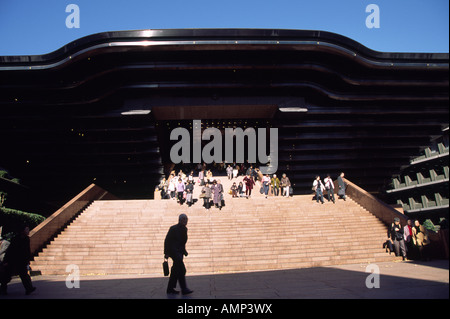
x=381, y=210
x=42, y=233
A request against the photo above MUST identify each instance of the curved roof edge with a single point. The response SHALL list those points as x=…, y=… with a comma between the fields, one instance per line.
x=223, y=36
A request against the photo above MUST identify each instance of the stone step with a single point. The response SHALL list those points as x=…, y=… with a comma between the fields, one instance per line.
x=216, y=239
x=116, y=234
x=226, y=246
x=114, y=237
x=202, y=268
x=225, y=255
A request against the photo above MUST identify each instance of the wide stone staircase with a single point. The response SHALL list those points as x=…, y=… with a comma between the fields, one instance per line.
x=127, y=236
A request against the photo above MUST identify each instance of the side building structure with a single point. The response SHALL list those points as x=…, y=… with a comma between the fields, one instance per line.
x=421, y=188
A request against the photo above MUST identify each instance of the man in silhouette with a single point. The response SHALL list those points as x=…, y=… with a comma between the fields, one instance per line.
x=175, y=248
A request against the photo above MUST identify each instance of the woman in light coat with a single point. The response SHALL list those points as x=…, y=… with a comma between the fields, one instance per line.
x=217, y=190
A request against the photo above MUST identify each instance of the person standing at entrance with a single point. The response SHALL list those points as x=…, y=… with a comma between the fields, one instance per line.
x=285, y=185
x=241, y=189
x=201, y=177
x=180, y=191
x=329, y=186
x=206, y=195
x=275, y=182
x=175, y=248
x=217, y=190
x=318, y=188
x=342, y=186
x=266, y=184
x=189, y=192
x=230, y=172
x=235, y=171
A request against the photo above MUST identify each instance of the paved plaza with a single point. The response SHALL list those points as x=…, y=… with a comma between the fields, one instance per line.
x=397, y=280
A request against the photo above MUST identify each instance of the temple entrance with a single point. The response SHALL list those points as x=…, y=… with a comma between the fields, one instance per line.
x=216, y=112
x=169, y=118
x=164, y=129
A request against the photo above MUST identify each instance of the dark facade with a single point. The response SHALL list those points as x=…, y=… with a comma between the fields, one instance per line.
x=338, y=106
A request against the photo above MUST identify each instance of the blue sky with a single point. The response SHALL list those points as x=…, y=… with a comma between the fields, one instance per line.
x=29, y=27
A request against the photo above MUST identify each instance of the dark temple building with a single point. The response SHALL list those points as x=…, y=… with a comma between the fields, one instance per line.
x=100, y=109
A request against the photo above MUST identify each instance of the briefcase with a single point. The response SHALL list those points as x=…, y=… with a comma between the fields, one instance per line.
x=166, y=267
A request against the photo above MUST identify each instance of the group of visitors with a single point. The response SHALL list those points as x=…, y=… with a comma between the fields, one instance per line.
x=409, y=241
x=273, y=185
x=327, y=185
x=180, y=187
